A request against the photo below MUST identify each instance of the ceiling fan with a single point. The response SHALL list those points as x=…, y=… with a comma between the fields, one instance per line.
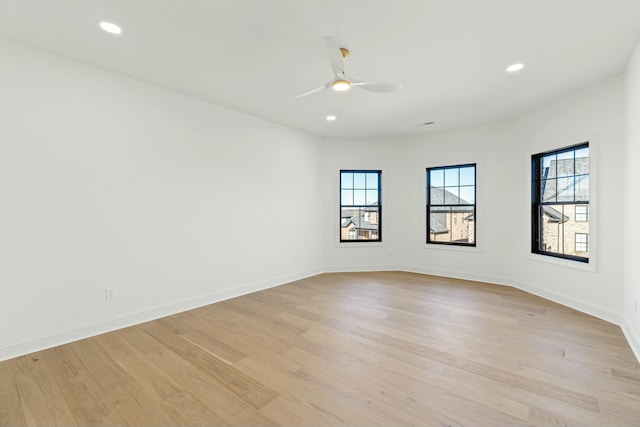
x=341, y=82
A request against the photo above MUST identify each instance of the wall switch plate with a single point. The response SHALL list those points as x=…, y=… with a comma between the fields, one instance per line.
x=109, y=293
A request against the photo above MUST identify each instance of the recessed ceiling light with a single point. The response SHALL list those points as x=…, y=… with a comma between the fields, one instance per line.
x=331, y=118
x=110, y=27
x=515, y=67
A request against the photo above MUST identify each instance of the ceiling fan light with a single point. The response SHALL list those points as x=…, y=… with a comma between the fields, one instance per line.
x=110, y=27
x=340, y=85
x=515, y=67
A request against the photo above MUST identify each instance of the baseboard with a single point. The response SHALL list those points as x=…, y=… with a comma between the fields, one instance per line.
x=358, y=268
x=493, y=280
x=86, y=330
x=63, y=336
x=632, y=338
x=591, y=309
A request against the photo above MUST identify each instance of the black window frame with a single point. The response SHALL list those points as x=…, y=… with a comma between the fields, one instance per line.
x=474, y=205
x=537, y=203
x=362, y=206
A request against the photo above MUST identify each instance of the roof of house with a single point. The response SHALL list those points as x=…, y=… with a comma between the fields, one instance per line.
x=441, y=196
x=359, y=221
x=438, y=223
x=554, y=215
x=552, y=189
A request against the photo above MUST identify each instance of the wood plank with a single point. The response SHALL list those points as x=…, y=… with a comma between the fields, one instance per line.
x=11, y=413
x=41, y=400
x=224, y=404
x=252, y=392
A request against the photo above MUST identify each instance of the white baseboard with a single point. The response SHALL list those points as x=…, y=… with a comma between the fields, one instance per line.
x=632, y=338
x=358, y=268
x=63, y=336
x=494, y=280
x=592, y=309
x=86, y=330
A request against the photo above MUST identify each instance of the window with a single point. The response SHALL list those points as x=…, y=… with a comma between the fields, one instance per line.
x=582, y=213
x=582, y=242
x=451, y=205
x=360, y=206
x=560, y=203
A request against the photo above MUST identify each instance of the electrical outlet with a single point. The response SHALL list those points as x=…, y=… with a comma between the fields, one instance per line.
x=109, y=293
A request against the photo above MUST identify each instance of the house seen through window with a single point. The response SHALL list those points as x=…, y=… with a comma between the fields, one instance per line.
x=360, y=206
x=560, y=203
x=451, y=205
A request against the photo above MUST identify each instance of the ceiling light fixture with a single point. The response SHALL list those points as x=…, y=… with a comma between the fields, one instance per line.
x=340, y=85
x=110, y=27
x=331, y=118
x=515, y=67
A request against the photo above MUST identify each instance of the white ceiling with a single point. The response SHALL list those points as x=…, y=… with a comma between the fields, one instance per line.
x=256, y=55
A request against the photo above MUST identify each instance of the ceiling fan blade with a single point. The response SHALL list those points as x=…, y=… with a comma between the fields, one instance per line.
x=375, y=86
x=318, y=89
x=335, y=56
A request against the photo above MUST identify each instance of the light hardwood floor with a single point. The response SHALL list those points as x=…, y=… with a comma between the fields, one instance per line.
x=361, y=349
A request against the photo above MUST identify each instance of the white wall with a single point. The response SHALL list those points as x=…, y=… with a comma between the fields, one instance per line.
x=404, y=163
x=503, y=155
x=595, y=115
x=490, y=148
x=106, y=181
x=360, y=154
x=632, y=201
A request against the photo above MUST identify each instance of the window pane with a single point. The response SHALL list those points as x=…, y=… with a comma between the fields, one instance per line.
x=360, y=206
x=561, y=224
x=566, y=189
x=582, y=213
x=439, y=228
x=372, y=197
x=582, y=242
x=437, y=196
x=360, y=224
x=468, y=176
x=548, y=190
x=449, y=220
x=565, y=164
x=467, y=195
x=437, y=178
x=582, y=188
x=372, y=181
x=451, y=225
x=346, y=197
x=582, y=161
x=348, y=220
x=451, y=195
x=451, y=177
x=558, y=221
x=551, y=236
x=346, y=180
x=545, y=167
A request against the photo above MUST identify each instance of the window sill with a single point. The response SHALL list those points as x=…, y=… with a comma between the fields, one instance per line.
x=577, y=265
x=357, y=244
x=452, y=248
